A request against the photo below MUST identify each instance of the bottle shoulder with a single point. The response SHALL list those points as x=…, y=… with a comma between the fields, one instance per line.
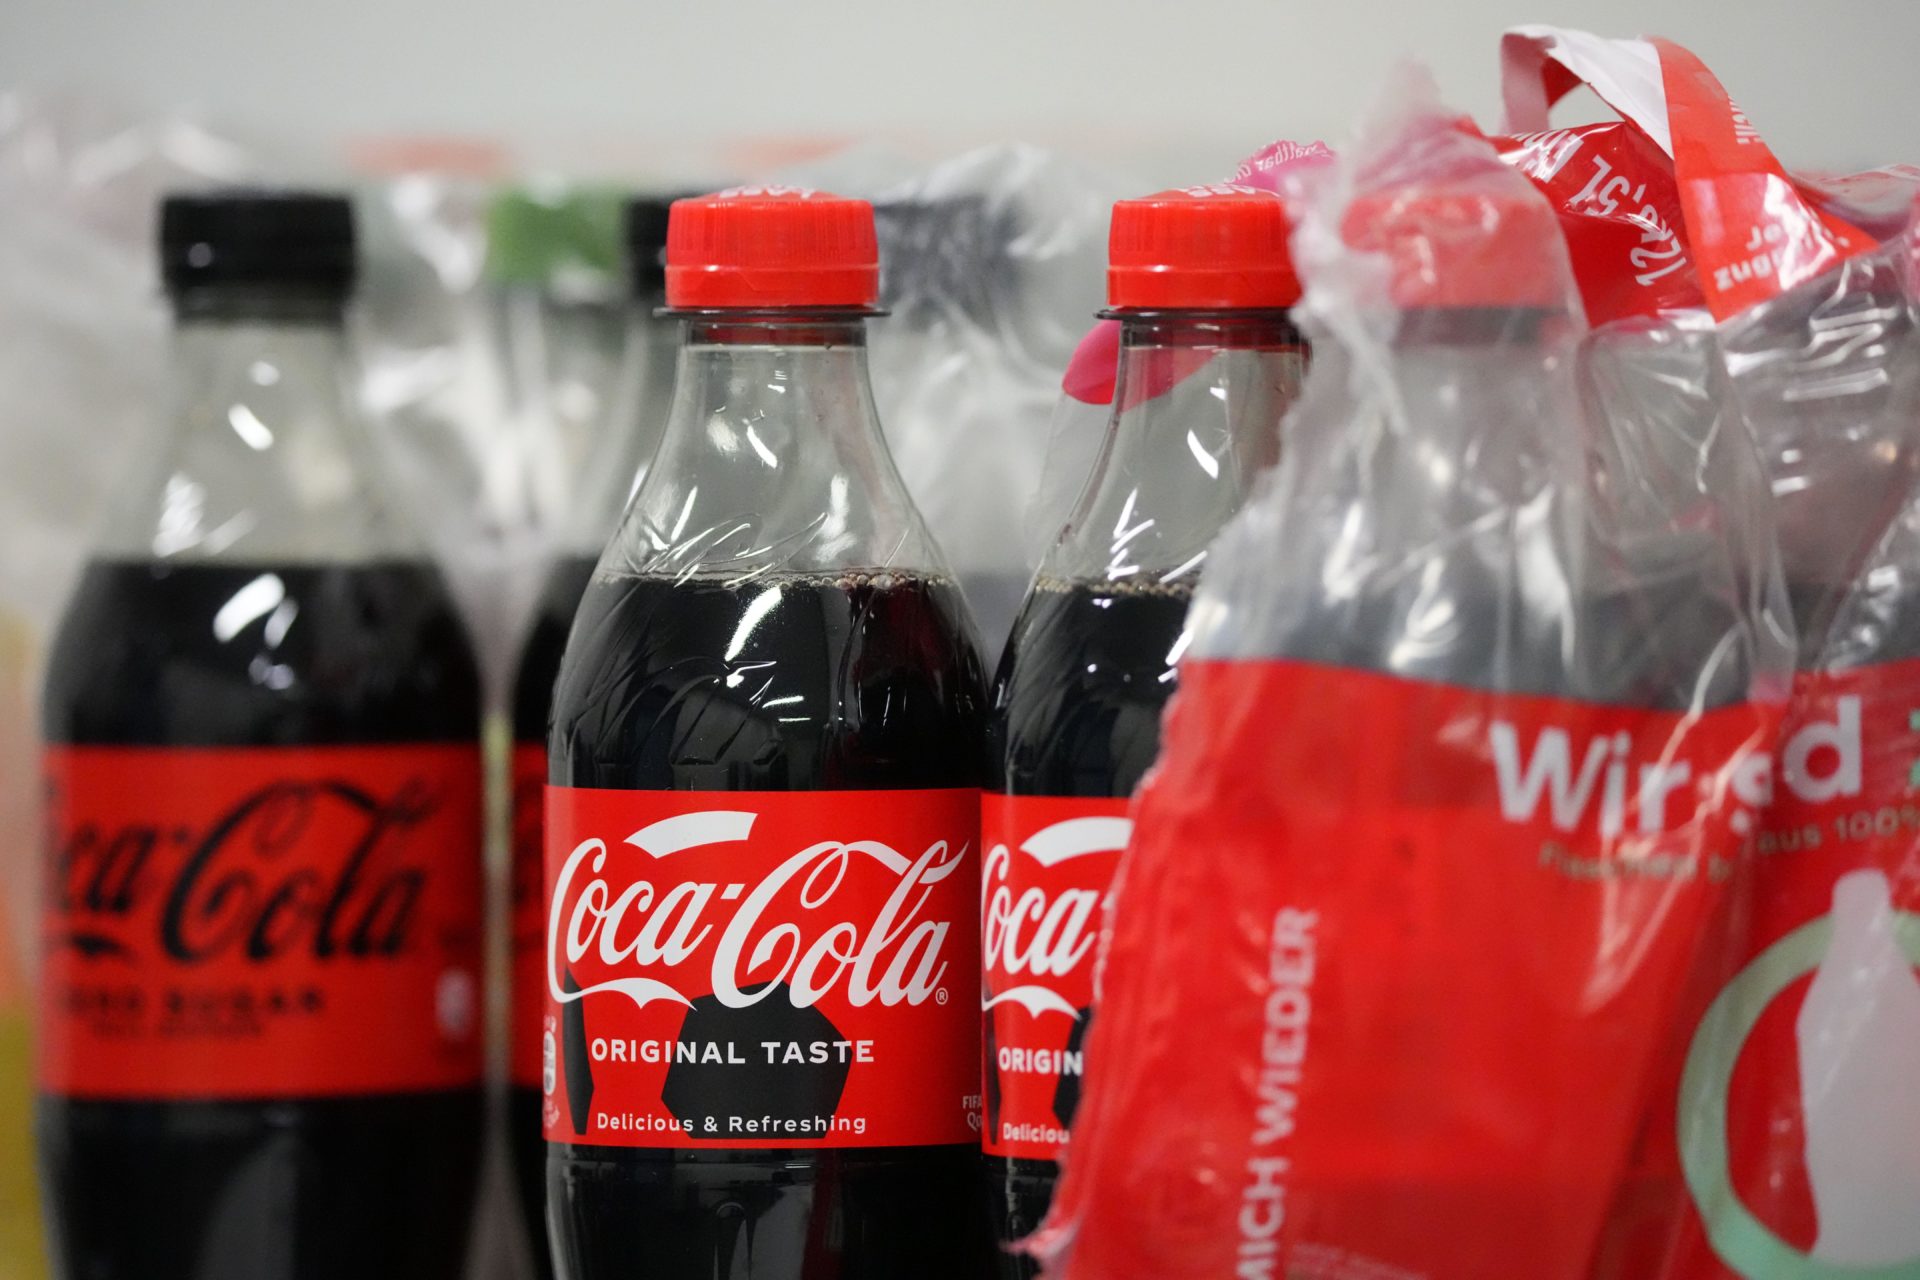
x=261, y=453
x=1080, y=689
x=850, y=681
x=267, y=654
x=545, y=644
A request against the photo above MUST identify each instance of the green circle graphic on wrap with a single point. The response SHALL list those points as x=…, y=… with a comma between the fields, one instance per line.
x=1743, y=1242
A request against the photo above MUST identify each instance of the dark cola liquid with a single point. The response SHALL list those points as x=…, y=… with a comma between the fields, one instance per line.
x=532, y=705
x=300, y=1189
x=1076, y=712
x=857, y=683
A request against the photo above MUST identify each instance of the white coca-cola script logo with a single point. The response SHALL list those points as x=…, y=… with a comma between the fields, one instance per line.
x=1030, y=935
x=632, y=922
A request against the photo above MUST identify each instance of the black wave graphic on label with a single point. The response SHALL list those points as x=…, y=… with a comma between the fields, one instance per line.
x=1066, y=1094
x=992, y=1074
x=573, y=1049
x=756, y=1089
x=94, y=945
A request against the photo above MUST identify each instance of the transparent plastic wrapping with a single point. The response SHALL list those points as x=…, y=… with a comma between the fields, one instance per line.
x=1445, y=833
x=1798, y=1127
x=1826, y=376
x=80, y=341
x=487, y=372
x=621, y=445
x=990, y=265
x=1792, y=1121
x=1078, y=427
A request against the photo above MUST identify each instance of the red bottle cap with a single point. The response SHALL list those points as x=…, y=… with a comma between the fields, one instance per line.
x=764, y=248
x=1468, y=244
x=1217, y=247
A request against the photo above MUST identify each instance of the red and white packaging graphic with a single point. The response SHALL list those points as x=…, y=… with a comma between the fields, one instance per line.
x=1795, y=1125
x=1751, y=229
x=1619, y=207
x=283, y=922
x=762, y=969
x=527, y=915
x=1049, y=863
x=1754, y=235
x=1426, y=963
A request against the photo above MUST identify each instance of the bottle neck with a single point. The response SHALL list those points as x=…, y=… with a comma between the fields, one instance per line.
x=772, y=460
x=1439, y=468
x=263, y=456
x=636, y=417
x=1198, y=399
x=1467, y=378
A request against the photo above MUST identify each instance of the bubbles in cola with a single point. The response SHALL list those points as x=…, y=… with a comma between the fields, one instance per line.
x=261, y=1043
x=762, y=819
x=1201, y=281
x=630, y=434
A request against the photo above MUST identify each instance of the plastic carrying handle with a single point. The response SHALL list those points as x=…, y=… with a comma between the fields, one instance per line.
x=1753, y=233
x=1540, y=65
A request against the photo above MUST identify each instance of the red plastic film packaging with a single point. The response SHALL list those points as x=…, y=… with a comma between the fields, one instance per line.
x=1449, y=828
x=1422, y=1040
x=1619, y=208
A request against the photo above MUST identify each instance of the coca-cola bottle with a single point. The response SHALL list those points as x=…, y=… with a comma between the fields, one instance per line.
x=762, y=824
x=260, y=1051
x=638, y=413
x=1201, y=282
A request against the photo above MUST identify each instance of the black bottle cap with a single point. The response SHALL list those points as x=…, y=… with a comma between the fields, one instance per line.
x=644, y=234
x=257, y=242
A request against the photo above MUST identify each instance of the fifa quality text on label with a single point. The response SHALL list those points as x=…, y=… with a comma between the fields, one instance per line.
x=761, y=969
x=222, y=922
x=1048, y=863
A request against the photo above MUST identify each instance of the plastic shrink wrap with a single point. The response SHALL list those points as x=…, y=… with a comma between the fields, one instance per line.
x=1447, y=830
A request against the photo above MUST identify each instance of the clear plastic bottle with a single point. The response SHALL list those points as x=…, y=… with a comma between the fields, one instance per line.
x=762, y=813
x=261, y=1045
x=1201, y=282
x=638, y=414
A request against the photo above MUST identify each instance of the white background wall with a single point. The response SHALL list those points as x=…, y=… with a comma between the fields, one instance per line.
x=603, y=83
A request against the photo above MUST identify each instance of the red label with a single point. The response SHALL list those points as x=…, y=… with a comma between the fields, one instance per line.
x=527, y=919
x=762, y=969
x=261, y=922
x=1394, y=972
x=1049, y=861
